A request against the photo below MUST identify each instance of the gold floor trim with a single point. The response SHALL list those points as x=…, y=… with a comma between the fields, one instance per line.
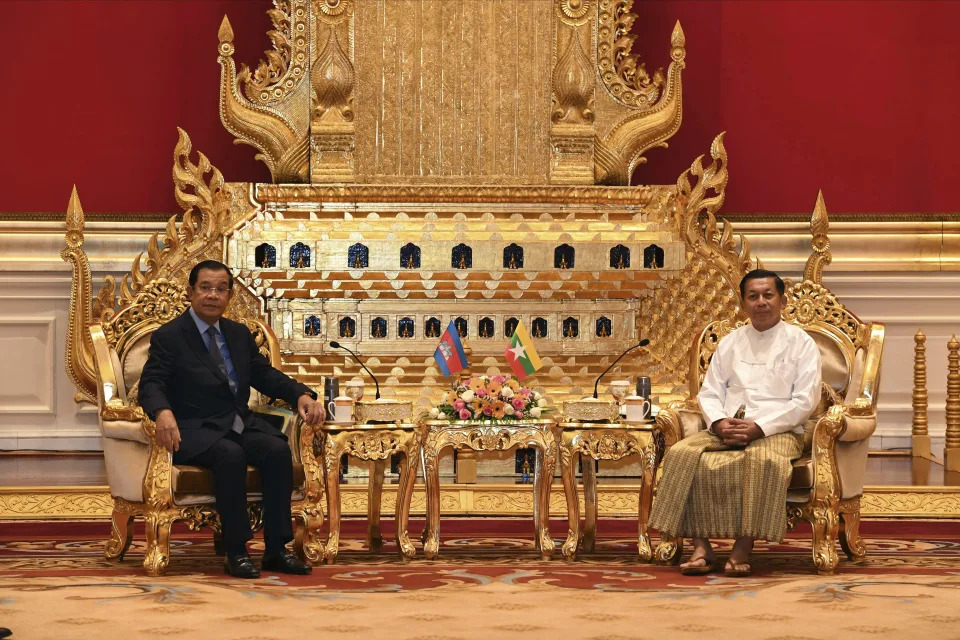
x=42, y=503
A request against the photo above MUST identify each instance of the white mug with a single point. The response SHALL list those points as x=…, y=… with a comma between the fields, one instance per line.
x=638, y=409
x=341, y=409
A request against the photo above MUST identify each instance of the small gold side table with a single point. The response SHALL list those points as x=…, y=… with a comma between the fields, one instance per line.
x=478, y=435
x=605, y=441
x=376, y=442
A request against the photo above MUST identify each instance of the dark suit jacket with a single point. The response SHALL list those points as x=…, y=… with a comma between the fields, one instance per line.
x=180, y=375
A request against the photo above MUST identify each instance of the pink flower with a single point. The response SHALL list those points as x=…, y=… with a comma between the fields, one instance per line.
x=488, y=410
x=459, y=404
x=499, y=379
x=518, y=403
x=482, y=393
x=464, y=414
x=518, y=414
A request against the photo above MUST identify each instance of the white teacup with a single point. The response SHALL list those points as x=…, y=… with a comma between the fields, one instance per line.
x=341, y=409
x=638, y=409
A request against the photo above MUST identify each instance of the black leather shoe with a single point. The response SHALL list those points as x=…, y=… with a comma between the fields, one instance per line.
x=285, y=562
x=240, y=566
x=5, y=633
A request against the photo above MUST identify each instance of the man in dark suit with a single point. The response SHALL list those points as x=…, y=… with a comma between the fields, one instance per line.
x=196, y=386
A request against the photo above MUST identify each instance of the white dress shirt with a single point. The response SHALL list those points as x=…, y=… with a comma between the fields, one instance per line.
x=774, y=374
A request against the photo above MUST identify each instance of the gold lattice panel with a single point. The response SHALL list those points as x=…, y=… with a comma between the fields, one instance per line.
x=600, y=282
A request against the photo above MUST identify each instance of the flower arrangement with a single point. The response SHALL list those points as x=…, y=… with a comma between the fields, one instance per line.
x=490, y=398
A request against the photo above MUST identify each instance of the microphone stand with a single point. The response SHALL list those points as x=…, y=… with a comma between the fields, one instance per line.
x=642, y=343
x=337, y=345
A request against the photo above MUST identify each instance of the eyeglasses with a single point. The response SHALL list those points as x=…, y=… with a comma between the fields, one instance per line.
x=206, y=289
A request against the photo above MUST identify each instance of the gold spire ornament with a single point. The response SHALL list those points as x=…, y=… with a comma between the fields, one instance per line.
x=79, y=353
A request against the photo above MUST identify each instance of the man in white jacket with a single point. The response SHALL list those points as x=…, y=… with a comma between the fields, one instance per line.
x=731, y=480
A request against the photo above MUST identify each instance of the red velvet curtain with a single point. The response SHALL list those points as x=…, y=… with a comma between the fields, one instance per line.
x=854, y=97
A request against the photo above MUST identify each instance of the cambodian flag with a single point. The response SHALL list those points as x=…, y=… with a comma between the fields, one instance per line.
x=449, y=354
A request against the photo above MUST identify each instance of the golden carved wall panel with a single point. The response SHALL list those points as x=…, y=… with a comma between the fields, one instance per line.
x=582, y=312
x=411, y=92
x=453, y=91
x=18, y=503
x=21, y=503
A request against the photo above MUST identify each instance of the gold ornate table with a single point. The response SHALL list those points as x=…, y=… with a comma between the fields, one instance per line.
x=490, y=436
x=375, y=442
x=605, y=441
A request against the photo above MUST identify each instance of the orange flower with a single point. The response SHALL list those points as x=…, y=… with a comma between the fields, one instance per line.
x=450, y=397
x=494, y=387
x=475, y=383
x=498, y=413
x=477, y=405
x=513, y=384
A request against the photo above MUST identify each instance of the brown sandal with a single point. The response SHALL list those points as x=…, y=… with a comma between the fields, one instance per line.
x=709, y=567
x=730, y=570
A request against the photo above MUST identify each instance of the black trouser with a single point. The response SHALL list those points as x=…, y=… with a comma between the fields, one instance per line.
x=227, y=459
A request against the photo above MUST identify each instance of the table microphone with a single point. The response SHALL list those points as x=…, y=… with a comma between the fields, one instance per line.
x=642, y=343
x=337, y=345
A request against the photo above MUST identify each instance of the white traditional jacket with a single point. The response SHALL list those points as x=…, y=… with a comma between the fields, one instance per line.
x=773, y=374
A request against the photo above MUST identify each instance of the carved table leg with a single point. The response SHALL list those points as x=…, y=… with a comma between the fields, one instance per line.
x=546, y=463
x=648, y=459
x=589, y=502
x=537, y=497
x=568, y=473
x=431, y=545
x=331, y=468
x=374, y=498
x=121, y=535
x=408, y=477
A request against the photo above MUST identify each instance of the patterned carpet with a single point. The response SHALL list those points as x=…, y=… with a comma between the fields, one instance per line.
x=487, y=582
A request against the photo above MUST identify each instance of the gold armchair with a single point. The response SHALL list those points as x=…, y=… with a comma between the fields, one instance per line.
x=827, y=481
x=108, y=338
x=142, y=478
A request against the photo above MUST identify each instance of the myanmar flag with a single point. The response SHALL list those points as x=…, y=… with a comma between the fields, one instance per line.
x=449, y=354
x=521, y=353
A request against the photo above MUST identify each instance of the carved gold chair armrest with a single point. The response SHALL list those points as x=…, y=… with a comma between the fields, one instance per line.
x=861, y=416
x=119, y=419
x=678, y=418
x=841, y=439
x=308, y=543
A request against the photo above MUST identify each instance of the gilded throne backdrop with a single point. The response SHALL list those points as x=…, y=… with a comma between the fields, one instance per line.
x=589, y=112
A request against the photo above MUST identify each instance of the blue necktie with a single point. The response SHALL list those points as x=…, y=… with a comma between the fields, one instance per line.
x=214, y=350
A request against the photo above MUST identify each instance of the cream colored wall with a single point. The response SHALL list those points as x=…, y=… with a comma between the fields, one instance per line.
x=37, y=411
x=897, y=273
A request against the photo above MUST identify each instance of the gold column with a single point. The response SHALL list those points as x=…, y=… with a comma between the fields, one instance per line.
x=951, y=447
x=921, y=438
